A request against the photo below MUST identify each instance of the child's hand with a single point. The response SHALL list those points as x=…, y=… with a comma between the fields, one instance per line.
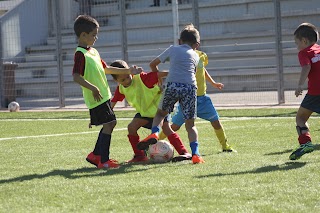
x=135, y=70
x=298, y=91
x=219, y=86
x=96, y=94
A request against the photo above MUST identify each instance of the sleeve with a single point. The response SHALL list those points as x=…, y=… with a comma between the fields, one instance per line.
x=104, y=64
x=79, y=63
x=165, y=55
x=303, y=58
x=149, y=79
x=117, y=96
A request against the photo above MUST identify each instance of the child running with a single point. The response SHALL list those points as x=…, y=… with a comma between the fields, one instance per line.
x=143, y=93
x=89, y=72
x=180, y=87
x=306, y=37
x=205, y=107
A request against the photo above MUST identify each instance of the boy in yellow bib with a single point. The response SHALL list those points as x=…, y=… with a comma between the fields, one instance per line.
x=143, y=93
x=89, y=72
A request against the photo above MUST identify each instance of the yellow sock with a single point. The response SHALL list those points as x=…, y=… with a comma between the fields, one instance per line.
x=162, y=136
x=221, y=137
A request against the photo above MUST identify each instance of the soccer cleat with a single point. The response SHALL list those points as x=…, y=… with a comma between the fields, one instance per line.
x=186, y=156
x=93, y=159
x=197, y=159
x=109, y=164
x=138, y=159
x=228, y=148
x=301, y=150
x=145, y=143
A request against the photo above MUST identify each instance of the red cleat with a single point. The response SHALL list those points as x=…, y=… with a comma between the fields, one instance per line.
x=109, y=164
x=145, y=143
x=93, y=159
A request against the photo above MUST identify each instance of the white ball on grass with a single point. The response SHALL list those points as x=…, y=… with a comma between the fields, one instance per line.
x=161, y=152
x=13, y=106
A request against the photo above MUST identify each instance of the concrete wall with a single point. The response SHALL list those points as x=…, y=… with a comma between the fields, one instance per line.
x=20, y=28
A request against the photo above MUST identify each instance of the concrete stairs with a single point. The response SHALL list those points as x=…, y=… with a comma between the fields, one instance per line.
x=237, y=35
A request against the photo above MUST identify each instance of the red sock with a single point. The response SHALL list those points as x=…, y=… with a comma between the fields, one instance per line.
x=304, y=138
x=176, y=142
x=134, y=140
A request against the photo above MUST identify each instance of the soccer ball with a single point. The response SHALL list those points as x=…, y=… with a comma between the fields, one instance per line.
x=161, y=152
x=14, y=106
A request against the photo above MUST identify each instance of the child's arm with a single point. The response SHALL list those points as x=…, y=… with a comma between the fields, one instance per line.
x=303, y=77
x=162, y=74
x=154, y=65
x=116, y=97
x=212, y=82
x=95, y=90
x=120, y=71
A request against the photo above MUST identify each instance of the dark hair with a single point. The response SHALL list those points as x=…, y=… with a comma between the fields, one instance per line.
x=84, y=23
x=308, y=31
x=190, y=34
x=119, y=64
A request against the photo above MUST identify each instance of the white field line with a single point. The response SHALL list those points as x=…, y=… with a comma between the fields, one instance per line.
x=119, y=129
x=54, y=135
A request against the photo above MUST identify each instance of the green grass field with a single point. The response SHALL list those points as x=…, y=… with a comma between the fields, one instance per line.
x=43, y=167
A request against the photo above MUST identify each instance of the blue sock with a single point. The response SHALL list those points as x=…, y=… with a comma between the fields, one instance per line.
x=155, y=129
x=194, y=148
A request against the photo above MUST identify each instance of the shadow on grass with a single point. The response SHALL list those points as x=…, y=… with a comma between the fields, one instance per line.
x=74, y=173
x=280, y=153
x=265, y=169
x=316, y=147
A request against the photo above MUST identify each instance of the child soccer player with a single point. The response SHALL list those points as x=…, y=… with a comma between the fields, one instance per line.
x=143, y=93
x=306, y=36
x=205, y=107
x=89, y=72
x=180, y=87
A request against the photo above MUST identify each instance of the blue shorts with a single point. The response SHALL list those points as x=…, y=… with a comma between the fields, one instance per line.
x=205, y=110
x=311, y=102
x=185, y=94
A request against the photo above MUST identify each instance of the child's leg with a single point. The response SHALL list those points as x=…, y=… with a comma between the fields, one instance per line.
x=304, y=138
x=133, y=127
x=105, y=140
x=177, y=122
x=94, y=157
x=158, y=121
x=221, y=135
x=104, y=115
x=193, y=136
x=188, y=102
x=207, y=111
x=174, y=138
x=133, y=136
x=96, y=150
x=154, y=136
x=302, y=126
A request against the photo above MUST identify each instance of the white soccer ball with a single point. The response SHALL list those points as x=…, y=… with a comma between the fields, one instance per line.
x=14, y=106
x=161, y=152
